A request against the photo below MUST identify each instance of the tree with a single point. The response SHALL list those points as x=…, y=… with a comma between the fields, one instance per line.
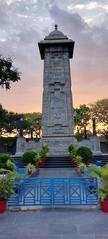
x=34, y=120
x=8, y=121
x=82, y=115
x=100, y=110
x=8, y=73
x=3, y=117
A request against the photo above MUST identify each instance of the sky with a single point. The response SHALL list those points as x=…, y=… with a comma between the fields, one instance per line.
x=23, y=23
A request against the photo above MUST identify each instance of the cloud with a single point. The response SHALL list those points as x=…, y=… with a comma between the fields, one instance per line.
x=88, y=6
x=25, y=22
x=89, y=66
x=3, y=14
x=91, y=11
x=19, y=36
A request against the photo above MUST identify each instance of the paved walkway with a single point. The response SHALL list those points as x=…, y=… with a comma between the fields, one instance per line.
x=57, y=172
x=64, y=223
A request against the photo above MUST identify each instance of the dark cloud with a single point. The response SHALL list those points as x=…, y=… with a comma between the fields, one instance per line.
x=91, y=48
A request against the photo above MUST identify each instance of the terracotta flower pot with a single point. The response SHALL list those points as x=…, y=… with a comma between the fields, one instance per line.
x=104, y=205
x=29, y=171
x=81, y=171
x=42, y=162
x=3, y=206
x=37, y=166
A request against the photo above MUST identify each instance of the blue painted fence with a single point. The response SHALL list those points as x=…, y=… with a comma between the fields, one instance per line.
x=80, y=191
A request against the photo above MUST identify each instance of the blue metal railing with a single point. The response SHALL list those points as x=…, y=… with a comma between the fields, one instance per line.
x=80, y=191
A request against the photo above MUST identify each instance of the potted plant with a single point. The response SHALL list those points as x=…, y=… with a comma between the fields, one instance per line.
x=78, y=159
x=82, y=166
x=72, y=154
x=43, y=153
x=30, y=168
x=6, y=189
x=102, y=174
x=38, y=159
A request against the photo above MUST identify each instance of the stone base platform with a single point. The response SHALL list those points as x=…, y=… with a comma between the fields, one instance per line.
x=58, y=145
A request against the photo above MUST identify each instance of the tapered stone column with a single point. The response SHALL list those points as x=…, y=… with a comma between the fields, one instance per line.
x=57, y=112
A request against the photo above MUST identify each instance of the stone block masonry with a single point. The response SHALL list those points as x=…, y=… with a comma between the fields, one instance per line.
x=57, y=113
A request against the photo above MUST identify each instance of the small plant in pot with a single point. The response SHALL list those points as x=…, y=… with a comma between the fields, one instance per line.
x=44, y=152
x=102, y=174
x=30, y=168
x=82, y=166
x=38, y=159
x=72, y=153
x=78, y=159
x=6, y=189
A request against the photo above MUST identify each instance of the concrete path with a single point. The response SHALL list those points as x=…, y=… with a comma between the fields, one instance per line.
x=64, y=223
x=57, y=172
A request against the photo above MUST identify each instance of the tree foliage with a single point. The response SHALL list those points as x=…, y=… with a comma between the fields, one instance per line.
x=100, y=110
x=8, y=73
x=34, y=120
x=82, y=115
x=10, y=122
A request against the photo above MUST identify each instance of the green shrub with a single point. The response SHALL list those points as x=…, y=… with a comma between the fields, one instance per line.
x=3, y=159
x=28, y=157
x=4, y=171
x=72, y=150
x=10, y=165
x=85, y=153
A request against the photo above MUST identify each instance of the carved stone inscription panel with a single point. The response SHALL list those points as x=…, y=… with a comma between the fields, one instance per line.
x=56, y=68
x=57, y=109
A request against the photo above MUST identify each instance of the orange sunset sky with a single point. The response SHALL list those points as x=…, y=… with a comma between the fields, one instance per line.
x=23, y=23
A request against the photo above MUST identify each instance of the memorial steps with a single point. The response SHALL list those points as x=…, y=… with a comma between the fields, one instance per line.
x=58, y=162
x=64, y=162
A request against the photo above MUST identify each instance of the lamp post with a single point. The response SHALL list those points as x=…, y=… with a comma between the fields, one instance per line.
x=31, y=132
x=94, y=125
x=85, y=131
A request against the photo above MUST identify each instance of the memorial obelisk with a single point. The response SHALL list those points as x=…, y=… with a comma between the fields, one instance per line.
x=57, y=110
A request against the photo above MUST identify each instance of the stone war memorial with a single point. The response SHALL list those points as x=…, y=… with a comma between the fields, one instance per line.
x=56, y=50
